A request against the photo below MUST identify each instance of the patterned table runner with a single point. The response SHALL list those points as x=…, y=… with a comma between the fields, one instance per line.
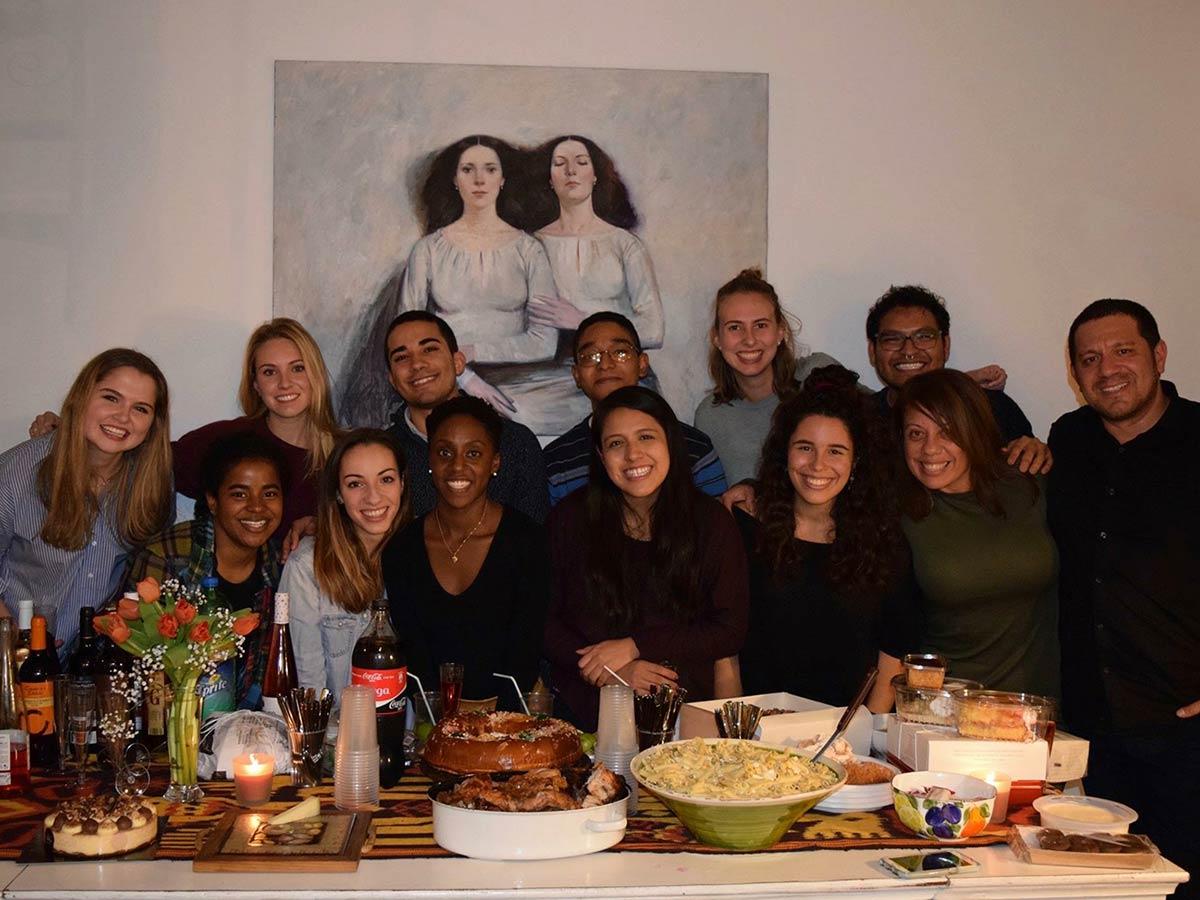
x=404, y=824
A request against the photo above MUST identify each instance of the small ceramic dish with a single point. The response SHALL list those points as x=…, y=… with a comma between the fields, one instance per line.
x=955, y=818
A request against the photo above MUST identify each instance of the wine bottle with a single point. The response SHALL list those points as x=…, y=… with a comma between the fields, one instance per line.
x=14, y=742
x=280, y=674
x=86, y=663
x=36, y=678
x=379, y=663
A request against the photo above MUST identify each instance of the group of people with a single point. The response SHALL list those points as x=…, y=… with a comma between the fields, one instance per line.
x=803, y=530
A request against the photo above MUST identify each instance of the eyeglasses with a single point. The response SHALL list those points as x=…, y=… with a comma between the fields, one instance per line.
x=618, y=355
x=895, y=340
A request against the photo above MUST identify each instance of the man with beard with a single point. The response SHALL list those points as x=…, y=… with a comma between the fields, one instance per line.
x=1123, y=500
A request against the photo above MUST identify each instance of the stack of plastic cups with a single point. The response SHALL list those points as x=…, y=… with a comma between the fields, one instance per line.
x=356, y=761
x=616, y=735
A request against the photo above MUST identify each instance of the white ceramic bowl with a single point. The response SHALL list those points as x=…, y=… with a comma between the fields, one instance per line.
x=860, y=797
x=1084, y=815
x=554, y=834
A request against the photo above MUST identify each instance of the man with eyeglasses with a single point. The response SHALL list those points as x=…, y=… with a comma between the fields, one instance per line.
x=608, y=355
x=908, y=332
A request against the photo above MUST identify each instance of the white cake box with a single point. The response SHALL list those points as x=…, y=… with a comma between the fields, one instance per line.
x=808, y=719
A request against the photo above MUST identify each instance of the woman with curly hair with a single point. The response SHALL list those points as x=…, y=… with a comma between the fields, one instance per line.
x=831, y=589
x=477, y=270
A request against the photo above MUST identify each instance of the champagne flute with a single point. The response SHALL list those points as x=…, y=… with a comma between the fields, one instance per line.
x=81, y=712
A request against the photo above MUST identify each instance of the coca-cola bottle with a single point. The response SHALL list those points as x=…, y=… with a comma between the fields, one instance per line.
x=280, y=675
x=379, y=664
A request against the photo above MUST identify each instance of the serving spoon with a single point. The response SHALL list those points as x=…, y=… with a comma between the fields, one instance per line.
x=851, y=709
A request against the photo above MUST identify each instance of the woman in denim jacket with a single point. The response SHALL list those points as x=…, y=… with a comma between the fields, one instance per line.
x=333, y=578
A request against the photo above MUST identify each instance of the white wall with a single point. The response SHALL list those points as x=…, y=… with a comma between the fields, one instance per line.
x=1019, y=158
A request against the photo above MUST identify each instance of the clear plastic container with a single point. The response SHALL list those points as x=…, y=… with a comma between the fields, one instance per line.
x=924, y=670
x=929, y=706
x=1004, y=716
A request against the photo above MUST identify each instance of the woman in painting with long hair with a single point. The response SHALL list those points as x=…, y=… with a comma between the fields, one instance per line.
x=76, y=501
x=581, y=212
x=649, y=574
x=477, y=270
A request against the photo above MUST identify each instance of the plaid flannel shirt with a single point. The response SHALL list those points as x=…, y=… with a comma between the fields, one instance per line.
x=186, y=552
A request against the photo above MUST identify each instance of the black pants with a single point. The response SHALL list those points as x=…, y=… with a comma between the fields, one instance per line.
x=1158, y=774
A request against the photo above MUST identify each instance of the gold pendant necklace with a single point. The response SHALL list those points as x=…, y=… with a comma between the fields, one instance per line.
x=454, y=553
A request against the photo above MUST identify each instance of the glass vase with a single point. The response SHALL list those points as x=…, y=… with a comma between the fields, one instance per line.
x=183, y=740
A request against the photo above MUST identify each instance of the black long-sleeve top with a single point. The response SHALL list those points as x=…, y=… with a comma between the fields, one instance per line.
x=495, y=625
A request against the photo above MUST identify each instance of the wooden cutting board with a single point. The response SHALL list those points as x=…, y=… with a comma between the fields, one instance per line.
x=243, y=842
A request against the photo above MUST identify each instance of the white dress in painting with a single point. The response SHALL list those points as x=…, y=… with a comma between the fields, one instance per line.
x=483, y=295
x=609, y=271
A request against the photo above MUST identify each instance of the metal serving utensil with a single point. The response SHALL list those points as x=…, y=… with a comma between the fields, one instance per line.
x=851, y=709
x=738, y=719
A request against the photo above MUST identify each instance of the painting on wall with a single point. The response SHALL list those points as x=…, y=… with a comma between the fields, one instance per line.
x=384, y=173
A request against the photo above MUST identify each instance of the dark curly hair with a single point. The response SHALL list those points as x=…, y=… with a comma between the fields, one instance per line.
x=610, y=197
x=441, y=202
x=868, y=547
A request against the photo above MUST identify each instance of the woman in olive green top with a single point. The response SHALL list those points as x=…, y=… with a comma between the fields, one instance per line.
x=984, y=558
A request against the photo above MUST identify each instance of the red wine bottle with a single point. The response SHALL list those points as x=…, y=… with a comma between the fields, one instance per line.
x=379, y=664
x=280, y=676
x=36, y=678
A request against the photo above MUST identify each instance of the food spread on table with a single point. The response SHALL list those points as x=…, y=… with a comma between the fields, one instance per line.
x=732, y=770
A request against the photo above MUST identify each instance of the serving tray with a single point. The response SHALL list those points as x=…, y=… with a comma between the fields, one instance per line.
x=235, y=845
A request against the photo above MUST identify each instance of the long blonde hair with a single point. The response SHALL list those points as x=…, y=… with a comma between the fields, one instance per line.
x=322, y=429
x=725, y=386
x=142, y=485
x=345, y=572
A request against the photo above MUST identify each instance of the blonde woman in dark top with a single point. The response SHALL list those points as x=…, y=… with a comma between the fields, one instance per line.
x=984, y=558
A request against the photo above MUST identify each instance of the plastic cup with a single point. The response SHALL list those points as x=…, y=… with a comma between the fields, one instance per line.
x=356, y=779
x=615, y=730
x=356, y=726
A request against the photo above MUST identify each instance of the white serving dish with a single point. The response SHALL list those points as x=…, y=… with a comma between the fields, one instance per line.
x=860, y=797
x=554, y=834
x=1077, y=815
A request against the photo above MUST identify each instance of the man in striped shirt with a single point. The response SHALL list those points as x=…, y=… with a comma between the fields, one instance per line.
x=608, y=355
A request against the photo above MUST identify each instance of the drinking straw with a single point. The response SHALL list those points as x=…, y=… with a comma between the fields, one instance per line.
x=618, y=677
x=520, y=696
x=421, y=690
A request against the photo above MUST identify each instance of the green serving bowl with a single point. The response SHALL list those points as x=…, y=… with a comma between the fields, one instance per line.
x=739, y=824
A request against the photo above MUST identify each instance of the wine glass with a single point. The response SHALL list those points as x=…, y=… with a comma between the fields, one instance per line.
x=81, y=715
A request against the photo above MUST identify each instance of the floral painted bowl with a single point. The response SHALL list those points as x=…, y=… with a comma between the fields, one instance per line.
x=961, y=816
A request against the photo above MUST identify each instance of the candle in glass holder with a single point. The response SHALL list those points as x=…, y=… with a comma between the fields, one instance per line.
x=252, y=774
x=1002, y=782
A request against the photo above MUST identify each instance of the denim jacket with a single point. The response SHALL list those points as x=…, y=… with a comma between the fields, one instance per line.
x=323, y=633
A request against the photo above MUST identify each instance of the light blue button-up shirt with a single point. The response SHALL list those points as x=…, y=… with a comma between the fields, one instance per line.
x=59, y=582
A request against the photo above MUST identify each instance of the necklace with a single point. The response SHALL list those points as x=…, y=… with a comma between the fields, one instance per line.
x=457, y=550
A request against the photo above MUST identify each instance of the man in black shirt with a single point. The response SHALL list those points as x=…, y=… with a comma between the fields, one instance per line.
x=908, y=332
x=1123, y=500
x=423, y=364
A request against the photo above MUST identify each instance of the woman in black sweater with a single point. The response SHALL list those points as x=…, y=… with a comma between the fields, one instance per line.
x=468, y=582
x=831, y=590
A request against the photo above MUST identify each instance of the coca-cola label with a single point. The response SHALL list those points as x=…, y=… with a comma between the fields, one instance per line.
x=388, y=685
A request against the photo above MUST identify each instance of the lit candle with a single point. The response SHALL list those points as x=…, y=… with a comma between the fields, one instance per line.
x=1002, y=782
x=252, y=776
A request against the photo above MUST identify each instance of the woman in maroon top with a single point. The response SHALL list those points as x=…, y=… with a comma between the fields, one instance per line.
x=649, y=574
x=286, y=396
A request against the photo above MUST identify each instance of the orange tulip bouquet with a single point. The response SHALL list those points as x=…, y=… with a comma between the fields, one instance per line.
x=172, y=629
